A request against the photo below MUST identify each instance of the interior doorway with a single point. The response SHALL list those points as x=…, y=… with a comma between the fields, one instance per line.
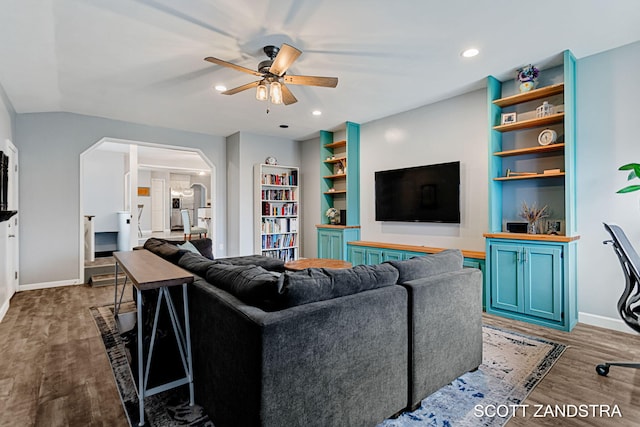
x=148, y=168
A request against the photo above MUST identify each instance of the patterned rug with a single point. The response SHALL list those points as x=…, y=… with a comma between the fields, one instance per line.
x=167, y=409
x=513, y=364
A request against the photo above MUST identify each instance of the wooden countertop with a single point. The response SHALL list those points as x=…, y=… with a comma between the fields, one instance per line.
x=415, y=248
x=336, y=226
x=538, y=237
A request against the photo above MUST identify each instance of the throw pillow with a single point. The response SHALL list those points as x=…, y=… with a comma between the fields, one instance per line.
x=428, y=265
x=188, y=246
x=319, y=284
x=251, y=284
x=166, y=250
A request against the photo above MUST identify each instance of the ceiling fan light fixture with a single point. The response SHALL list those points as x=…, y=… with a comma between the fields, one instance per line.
x=261, y=93
x=275, y=91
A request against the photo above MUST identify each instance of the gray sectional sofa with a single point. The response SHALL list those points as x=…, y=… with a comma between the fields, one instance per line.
x=324, y=347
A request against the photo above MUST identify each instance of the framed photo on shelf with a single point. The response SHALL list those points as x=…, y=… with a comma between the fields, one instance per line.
x=508, y=118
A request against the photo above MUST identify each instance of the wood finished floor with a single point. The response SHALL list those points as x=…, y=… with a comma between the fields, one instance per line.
x=54, y=370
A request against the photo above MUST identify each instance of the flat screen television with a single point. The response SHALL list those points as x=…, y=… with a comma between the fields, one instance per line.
x=429, y=193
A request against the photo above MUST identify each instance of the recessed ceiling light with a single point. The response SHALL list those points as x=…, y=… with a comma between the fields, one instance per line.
x=221, y=88
x=470, y=53
x=316, y=112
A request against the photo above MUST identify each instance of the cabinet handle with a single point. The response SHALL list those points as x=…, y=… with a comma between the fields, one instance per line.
x=524, y=253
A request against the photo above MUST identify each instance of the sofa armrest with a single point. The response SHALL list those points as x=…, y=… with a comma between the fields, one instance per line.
x=340, y=359
x=445, y=330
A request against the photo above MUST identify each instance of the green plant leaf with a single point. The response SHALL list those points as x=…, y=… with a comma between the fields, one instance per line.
x=629, y=189
x=633, y=167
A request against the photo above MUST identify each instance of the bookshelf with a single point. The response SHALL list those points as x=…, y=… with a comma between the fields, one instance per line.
x=277, y=208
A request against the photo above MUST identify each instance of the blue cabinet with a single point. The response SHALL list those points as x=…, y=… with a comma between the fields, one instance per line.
x=529, y=280
x=332, y=242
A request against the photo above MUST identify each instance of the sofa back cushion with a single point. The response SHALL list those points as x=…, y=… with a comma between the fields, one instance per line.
x=319, y=284
x=250, y=283
x=428, y=265
x=162, y=248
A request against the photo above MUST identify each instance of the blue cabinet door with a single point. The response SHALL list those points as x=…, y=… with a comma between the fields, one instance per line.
x=357, y=255
x=506, y=285
x=543, y=281
x=374, y=256
x=391, y=255
x=329, y=245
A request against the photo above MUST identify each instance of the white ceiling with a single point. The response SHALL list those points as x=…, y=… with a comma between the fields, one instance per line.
x=142, y=60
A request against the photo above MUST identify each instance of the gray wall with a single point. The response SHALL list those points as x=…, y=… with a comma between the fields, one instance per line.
x=50, y=145
x=103, y=190
x=7, y=117
x=608, y=136
x=244, y=150
x=310, y=178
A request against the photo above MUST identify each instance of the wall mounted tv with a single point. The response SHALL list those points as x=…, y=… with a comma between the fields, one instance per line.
x=429, y=193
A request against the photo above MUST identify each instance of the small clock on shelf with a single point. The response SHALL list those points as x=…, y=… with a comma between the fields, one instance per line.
x=547, y=136
x=271, y=160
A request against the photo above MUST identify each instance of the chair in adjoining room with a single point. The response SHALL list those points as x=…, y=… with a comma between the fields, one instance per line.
x=188, y=229
x=628, y=305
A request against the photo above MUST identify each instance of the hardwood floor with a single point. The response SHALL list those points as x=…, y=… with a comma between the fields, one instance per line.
x=54, y=370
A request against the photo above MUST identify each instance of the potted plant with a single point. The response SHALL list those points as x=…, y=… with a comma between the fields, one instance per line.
x=527, y=77
x=634, y=173
x=334, y=215
x=532, y=214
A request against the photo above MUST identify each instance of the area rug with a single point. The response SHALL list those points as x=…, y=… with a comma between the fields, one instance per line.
x=167, y=409
x=513, y=364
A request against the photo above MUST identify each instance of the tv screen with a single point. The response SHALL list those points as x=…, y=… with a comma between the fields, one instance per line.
x=428, y=193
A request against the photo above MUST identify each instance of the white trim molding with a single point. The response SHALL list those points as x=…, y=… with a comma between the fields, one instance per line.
x=604, y=322
x=46, y=285
x=4, y=309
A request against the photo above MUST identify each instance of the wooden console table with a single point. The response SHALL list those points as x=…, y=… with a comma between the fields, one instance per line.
x=149, y=271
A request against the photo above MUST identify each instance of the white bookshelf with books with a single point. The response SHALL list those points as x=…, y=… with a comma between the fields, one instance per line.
x=277, y=207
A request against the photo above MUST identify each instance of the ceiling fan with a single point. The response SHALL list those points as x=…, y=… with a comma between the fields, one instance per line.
x=273, y=73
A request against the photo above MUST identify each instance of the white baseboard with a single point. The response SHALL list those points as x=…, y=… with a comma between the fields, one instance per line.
x=604, y=322
x=45, y=285
x=4, y=309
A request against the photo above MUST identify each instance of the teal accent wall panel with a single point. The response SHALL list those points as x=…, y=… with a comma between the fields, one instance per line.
x=353, y=173
x=494, y=90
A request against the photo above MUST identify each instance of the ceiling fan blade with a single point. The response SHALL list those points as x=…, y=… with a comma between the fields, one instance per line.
x=230, y=65
x=241, y=88
x=285, y=57
x=312, y=81
x=287, y=96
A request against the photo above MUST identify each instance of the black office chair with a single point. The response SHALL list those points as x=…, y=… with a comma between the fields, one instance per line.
x=628, y=305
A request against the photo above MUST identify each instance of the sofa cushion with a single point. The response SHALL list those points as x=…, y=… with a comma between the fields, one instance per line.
x=198, y=264
x=167, y=251
x=428, y=265
x=268, y=263
x=319, y=284
x=164, y=247
x=251, y=284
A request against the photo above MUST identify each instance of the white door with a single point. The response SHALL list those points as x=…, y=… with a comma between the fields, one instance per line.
x=157, y=204
x=12, y=226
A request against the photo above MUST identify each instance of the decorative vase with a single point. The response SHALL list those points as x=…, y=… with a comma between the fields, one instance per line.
x=532, y=228
x=527, y=86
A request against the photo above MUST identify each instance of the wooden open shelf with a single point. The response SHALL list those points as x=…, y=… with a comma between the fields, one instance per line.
x=336, y=192
x=531, y=150
x=536, y=176
x=531, y=123
x=532, y=95
x=336, y=176
x=336, y=144
x=336, y=160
